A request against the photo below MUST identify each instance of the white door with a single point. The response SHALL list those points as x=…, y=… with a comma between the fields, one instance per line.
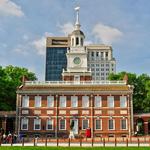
x=75, y=128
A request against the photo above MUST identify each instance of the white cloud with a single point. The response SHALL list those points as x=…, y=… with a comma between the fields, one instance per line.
x=25, y=37
x=3, y=45
x=37, y=46
x=40, y=44
x=106, y=34
x=66, y=28
x=87, y=42
x=21, y=49
x=7, y=7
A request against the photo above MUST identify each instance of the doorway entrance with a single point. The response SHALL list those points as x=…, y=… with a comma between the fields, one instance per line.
x=148, y=126
x=10, y=125
x=140, y=126
x=75, y=127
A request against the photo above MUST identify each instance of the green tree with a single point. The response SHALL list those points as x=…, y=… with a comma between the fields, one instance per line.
x=141, y=95
x=10, y=79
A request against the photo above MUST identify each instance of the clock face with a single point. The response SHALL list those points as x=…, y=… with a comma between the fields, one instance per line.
x=77, y=60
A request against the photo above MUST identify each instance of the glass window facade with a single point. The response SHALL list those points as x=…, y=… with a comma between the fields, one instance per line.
x=85, y=101
x=85, y=124
x=50, y=101
x=25, y=101
x=62, y=124
x=123, y=101
x=111, y=124
x=24, y=124
x=55, y=62
x=37, y=101
x=62, y=101
x=37, y=124
x=97, y=124
x=98, y=101
x=110, y=101
x=74, y=101
x=49, y=124
x=123, y=124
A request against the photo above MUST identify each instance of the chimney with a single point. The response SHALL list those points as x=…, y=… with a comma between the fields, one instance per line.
x=23, y=79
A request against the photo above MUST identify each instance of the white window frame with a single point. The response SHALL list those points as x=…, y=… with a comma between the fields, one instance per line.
x=39, y=124
x=126, y=124
x=40, y=101
x=87, y=125
x=109, y=99
x=74, y=99
x=22, y=119
x=113, y=124
x=60, y=126
x=48, y=124
x=64, y=99
x=100, y=101
x=123, y=99
x=50, y=101
x=85, y=98
x=100, y=124
x=25, y=101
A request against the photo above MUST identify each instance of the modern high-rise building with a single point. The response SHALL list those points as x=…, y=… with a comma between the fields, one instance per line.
x=56, y=49
x=101, y=61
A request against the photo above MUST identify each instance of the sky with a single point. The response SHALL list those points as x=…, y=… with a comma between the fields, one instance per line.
x=123, y=24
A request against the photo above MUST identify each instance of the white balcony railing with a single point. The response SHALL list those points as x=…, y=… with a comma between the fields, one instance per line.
x=75, y=82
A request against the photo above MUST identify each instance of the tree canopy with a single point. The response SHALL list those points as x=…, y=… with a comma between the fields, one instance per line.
x=141, y=95
x=10, y=79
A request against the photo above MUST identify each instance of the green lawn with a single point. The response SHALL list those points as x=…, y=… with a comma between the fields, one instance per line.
x=74, y=148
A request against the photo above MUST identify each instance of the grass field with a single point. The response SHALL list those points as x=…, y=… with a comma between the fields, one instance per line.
x=74, y=148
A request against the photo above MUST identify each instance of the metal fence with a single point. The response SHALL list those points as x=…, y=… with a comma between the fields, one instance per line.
x=82, y=142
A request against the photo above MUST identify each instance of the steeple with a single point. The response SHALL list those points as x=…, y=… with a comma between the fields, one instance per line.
x=77, y=23
x=77, y=36
x=77, y=68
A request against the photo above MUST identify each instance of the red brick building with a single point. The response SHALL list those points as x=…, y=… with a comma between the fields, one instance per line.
x=7, y=121
x=49, y=108
x=142, y=123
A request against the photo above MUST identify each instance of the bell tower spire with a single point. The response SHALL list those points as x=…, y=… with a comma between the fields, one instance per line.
x=77, y=68
x=77, y=23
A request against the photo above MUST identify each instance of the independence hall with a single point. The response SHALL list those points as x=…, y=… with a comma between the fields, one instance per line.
x=48, y=108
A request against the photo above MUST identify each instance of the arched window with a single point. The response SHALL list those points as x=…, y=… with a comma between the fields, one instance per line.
x=81, y=41
x=77, y=41
x=72, y=42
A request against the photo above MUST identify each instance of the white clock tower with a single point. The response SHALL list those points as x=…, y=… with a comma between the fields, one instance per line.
x=76, y=55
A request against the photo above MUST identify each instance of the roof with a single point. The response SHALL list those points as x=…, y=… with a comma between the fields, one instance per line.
x=56, y=87
x=7, y=113
x=57, y=41
x=77, y=32
x=142, y=115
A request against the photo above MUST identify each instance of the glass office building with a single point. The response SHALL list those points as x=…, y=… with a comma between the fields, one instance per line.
x=55, y=62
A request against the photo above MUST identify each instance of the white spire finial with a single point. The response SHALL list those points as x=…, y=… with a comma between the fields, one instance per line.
x=77, y=24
